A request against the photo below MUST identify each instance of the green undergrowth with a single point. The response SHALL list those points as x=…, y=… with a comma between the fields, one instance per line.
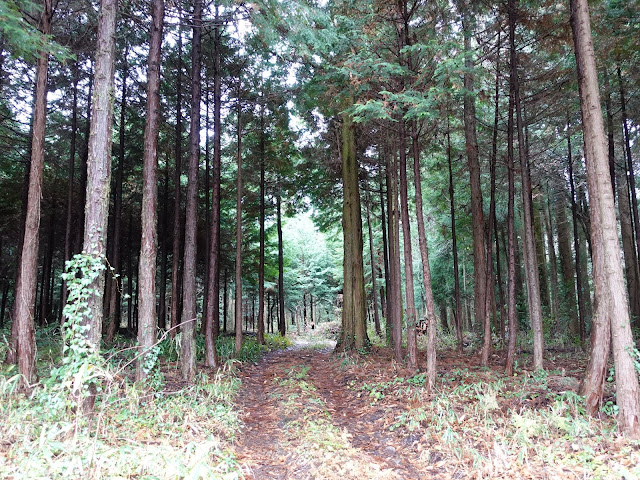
x=518, y=427
x=165, y=428
x=133, y=431
x=86, y=418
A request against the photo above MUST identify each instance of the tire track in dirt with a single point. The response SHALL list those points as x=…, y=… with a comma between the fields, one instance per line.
x=364, y=424
x=260, y=450
x=266, y=450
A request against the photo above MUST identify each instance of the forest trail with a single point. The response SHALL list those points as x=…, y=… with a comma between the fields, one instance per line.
x=305, y=418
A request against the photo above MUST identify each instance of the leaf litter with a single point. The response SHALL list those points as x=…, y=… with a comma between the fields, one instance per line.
x=310, y=414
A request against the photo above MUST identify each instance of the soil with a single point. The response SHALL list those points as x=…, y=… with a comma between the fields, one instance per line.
x=270, y=448
x=313, y=414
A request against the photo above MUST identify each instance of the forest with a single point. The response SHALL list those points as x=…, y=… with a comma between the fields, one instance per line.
x=319, y=239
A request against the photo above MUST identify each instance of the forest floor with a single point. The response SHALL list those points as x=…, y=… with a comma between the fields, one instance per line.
x=310, y=414
x=295, y=410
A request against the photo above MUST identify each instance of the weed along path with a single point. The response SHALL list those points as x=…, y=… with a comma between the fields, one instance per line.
x=305, y=419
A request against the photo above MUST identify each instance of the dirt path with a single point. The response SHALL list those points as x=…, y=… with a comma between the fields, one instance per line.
x=305, y=419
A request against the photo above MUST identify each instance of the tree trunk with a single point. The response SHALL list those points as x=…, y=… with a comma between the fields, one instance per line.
x=22, y=347
x=533, y=289
x=68, y=242
x=456, y=269
x=99, y=163
x=394, y=303
x=486, y=338
x=568, y=284
x=3, y=308
x=512, y=280
x=354, y=330
x=261, y=220
x=426, y=270
x=238, y=282
x=384, y=304
x=541, y=258
x=411, y=320
x=610, y=141
x=374, y=281
x=149, y=212
x=282, y=324
x=111, y=290
x=162, y=302
x=612, y=316
x=471, y=141
x=130, y=274
x=576, y=244
x=176, y=285
x=212, y=320
x=553, y=263
x=189, y=313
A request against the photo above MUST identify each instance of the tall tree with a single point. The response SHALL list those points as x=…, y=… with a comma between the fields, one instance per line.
x=99, y=162
x=374, y=273
x=22, y=347
x=189, y=314
x=111, y=290
x=238, y=279
x=471, y=141
x=176, y=285
x=612, y=318
x=512, y=280
x=212, y=319
x=149, y=242
x=261, y=222
x=282, y=324
x=533, y=288
x=454, y=247
x=353, y=334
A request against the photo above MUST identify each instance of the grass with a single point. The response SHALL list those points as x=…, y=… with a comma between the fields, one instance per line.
x=166, y=429
x=532, y=425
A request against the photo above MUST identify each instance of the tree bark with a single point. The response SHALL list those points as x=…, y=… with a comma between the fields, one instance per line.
x=176, y=286
x=22, y=346
x=111, y=290
x=162, y=302
x=486, y=338
x=238, y=282
x=99, y=163
x=512, y=280
x=411, y=317
x=426, y=270
x=149, y=213
x=282, y=324
x=553, y=263
x=533, y=289
x=454, y=239
x=384, y=303
x=82, y=190
x=374, y=281
x=394, y=303
x=612, y=316
x=541, y=258
x=471, y=142
x=261, y=221
x=212, y=320
x=576, y=245
x=354, y=330
x=568, y=284
x=189, y=313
